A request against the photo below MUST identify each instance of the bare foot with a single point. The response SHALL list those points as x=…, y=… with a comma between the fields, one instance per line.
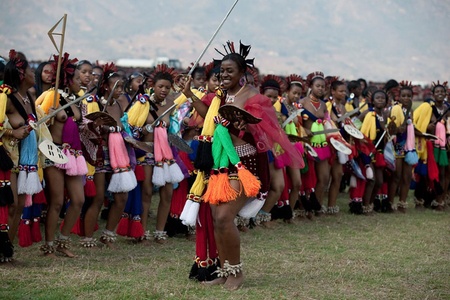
x=143, y=242
x=268, y=224
x=108, y=244
x=217, y=281
x=190, y=237
x=66, y=252
x=234, y=283
x=50, y=255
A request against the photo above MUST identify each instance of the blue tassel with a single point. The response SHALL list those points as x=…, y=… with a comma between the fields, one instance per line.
x=411, y=158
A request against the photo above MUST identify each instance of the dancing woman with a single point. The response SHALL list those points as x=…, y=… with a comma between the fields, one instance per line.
x=236, y=138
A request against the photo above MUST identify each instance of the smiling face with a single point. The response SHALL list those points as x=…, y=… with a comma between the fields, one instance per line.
x=439, y=94
x=230, y=75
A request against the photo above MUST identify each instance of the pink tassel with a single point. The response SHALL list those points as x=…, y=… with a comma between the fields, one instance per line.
x=440, y=133
x=118, y=152
x=81, y=164
x=28, y=200
x=123, y=178
x=71, y=165
x=323, y=153
x=410, y=138
x=164, y=142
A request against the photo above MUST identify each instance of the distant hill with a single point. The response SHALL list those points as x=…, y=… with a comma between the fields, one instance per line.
x=373, y=39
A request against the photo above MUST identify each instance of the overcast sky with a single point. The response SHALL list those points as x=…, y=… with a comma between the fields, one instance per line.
x=374, y=39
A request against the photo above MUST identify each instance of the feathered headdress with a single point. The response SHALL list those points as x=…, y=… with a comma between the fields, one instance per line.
x=18, y=62
x=197, y=66
x=272, y=82
x=162, y=72
x=294, y=79
x=244, y=50
x=254, y=73
x=434, y=85
x=329, y=80
x=108, y=70
x=212, y=68
x=68, y=67
x=404, y=84
x=312, y=76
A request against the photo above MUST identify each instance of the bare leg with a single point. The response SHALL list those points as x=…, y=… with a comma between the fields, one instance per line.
x=323, y=178
x=115, y=213
x=147, y=192
x=165, y=198
x=91, y=216
x=276, y=188
x=333, y=191
x=395, y=179
x=296, y=179
x=227, y=235
x=74, y=186
x=15, y=210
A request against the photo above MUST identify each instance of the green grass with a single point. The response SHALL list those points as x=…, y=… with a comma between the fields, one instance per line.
x=385, y=256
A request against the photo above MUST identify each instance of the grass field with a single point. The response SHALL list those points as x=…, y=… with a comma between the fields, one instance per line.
x=385, y=256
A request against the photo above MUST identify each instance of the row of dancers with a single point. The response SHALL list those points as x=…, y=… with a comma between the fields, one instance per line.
x=222, y=147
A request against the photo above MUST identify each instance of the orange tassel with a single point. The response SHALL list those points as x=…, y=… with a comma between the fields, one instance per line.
x=223, y=191
x=249, y=182
x=208, y=196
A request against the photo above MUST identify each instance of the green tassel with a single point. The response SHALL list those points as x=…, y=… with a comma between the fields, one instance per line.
x=440, y=156
x=291, y=129
x=227, y=143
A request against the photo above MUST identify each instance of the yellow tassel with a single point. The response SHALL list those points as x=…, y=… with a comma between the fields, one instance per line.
x=5, y=91
x=363, y=101
x=208, y=125
x=397, y=112
x=47, y=101
x=135, y=116
x=422, y=116
x=199, y=184
x=369, y=126
x=329, y=105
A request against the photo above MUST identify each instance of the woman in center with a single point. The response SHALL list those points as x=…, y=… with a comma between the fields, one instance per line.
x=250, y=139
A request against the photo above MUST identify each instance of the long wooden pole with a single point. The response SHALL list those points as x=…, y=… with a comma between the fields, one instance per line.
x=60, y=52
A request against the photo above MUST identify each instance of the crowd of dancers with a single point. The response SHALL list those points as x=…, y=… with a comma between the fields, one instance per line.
x=225, y=147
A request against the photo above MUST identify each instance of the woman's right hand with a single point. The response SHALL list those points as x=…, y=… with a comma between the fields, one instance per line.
x=21, y=132
x=187, y=88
